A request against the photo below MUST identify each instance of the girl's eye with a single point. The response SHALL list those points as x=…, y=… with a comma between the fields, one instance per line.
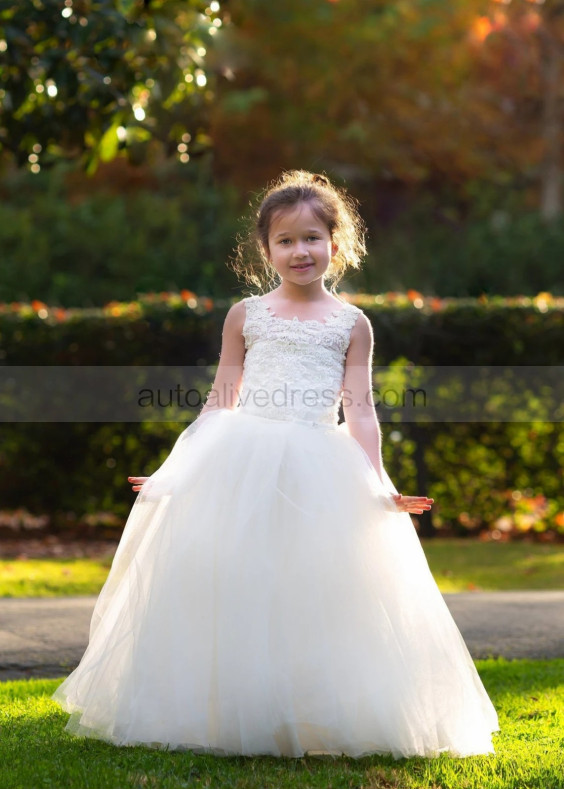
x=289, y=241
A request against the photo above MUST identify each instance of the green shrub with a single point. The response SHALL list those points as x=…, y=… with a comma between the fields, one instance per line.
x=506, y=477
x=104, y=247
x=97, y=244
x=495, y=245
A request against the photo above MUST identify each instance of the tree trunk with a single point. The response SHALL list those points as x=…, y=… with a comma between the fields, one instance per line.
x=551, y=172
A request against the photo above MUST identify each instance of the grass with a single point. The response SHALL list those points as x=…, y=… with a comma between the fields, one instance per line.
x=47, y=578
x=460, y=565
x=35, y=751
x=457, y=565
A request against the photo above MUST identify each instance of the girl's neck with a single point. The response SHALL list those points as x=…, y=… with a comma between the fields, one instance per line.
x=312, y=292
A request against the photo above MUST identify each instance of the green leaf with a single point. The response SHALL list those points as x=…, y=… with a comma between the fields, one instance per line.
x=108, y=144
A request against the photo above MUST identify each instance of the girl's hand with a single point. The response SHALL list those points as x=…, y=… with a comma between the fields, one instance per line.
x=412, y=504
x=137, y=482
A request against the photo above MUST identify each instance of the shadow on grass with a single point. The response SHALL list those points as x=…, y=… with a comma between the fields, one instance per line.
x=503, y=676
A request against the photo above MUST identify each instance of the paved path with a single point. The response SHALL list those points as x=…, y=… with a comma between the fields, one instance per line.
x=46, y=637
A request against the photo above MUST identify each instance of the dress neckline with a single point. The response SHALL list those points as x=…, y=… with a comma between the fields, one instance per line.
x=295, y=319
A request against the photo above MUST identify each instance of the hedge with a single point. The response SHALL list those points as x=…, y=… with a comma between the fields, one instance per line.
x=497, y=478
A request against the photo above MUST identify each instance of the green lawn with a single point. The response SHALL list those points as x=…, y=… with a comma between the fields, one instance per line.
x=460, y=565
x=35, y=751
x=457, y=565
x=52, y=577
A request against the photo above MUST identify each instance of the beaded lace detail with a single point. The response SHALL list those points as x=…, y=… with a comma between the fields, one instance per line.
x=294, y=369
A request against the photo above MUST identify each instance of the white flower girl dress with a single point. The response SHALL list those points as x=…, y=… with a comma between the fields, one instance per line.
x=264, y=597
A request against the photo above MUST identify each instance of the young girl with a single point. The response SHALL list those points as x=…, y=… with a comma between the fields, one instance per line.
x=269, y=594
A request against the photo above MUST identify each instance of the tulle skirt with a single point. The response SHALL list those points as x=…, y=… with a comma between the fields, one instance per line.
x=266, y=598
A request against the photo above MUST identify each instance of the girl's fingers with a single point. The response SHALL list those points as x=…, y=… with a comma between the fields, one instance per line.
x=413, y=504
x=413, y=498
x=137, y=482
x=409, y=505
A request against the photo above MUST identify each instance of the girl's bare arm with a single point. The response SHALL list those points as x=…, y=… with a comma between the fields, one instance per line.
x=224, y=393
x=360, y=413
x=358, y=403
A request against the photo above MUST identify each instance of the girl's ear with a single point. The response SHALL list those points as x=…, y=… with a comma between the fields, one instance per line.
x=334, y=249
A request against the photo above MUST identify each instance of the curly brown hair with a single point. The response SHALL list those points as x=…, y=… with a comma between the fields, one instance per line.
x=332, y=205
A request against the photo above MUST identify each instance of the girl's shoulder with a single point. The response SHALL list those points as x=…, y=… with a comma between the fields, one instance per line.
x=235, y=317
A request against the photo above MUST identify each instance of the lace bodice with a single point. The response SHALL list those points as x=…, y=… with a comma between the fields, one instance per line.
x=294, y=369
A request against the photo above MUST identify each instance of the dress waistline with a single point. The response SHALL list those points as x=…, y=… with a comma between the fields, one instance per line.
x=326, y=426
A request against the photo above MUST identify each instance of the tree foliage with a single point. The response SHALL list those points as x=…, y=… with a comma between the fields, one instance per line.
x=375, y=89
x=434, y=93
x=82, y=78
x=520, y=65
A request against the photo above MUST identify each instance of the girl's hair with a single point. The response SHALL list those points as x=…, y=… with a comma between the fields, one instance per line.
x=330, y=204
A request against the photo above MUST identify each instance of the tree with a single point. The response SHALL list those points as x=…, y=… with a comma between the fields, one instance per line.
x=370, y=88
x=523, y=55
x=84, y=78
x=423, y=93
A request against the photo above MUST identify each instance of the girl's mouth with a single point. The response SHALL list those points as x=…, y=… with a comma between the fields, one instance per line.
x=300, y=267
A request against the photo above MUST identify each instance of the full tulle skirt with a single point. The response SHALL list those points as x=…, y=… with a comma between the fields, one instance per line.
x=266, y=597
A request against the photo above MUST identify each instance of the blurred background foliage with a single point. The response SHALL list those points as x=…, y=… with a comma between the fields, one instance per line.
x=441, y=116
x=74, y=249
x=134, y=133
x=74, y=244
x=82, y=79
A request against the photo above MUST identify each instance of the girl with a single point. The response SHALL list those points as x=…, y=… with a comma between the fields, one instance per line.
x=269, y=594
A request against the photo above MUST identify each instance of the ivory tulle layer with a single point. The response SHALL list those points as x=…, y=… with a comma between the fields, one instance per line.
x=265, y=598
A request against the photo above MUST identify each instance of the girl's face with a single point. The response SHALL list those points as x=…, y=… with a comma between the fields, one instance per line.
x=299, y=244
